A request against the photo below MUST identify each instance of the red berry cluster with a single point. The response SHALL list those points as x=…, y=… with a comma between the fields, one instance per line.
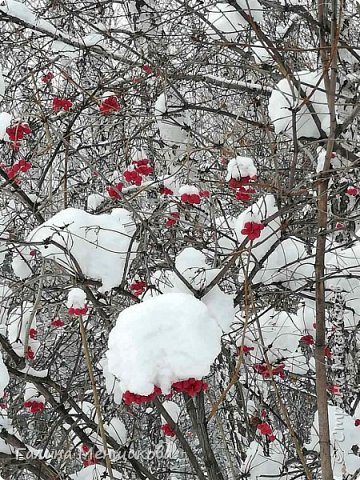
x=241, y=192
x=139, y=168
x=334, y=389
x=190, y=386
x=77, y=311
x=352, y=191
x=20, y=166
x=32, y=333
x=252, y=230
x=114, y=192
x=110, y=105
x=29, y=354
x=265, y=429
x=172, y=219
x=47, y=78
x=129, y=397
x=167, y=430
x=245, y=349
x=307, y=340
x=16, y=133
x=61, y=104
x=149, y=71
x=194, y=198
x=33, y=406
x=57, y=323
x=165, y=191
x=138, y=288
x=267, y=372
x=91, y=460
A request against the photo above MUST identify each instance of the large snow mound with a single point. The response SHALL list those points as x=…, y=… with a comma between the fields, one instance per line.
x=286, y=97
x=166, y=339
x=99, y=244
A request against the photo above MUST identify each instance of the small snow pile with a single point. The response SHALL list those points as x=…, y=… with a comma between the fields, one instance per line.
x=97, y=244
x=111, y=383
x=18, y=330
x=190, y=194
x=286, y=97
x=2, y=87
x=343, y=436
x=166, y=339
x=228, y=21
x=76, y=302
x=33, y=401
x=5, y=121
x=173, y=123
x=117, y=430
x=242, y=170
x=257, y=465
x=94, y=472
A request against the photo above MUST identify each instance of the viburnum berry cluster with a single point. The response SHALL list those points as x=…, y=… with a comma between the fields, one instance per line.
x=114, y=191
x=165, y=191
x=352, y=191
x=110, y=105
x=192, y=195
x=34, y=406
x=138, y=288
x=61, y=104
x=16, y=133
x=47, y=77
x=269, y=371
x=129, y=397
x=22, y=166
x=265, y=429
x=77, y=311
x=252, y=229
x=29, y=354
x=191, y=386
x=57, y=322
x=138, y=168
x=167, y=430
x=172, y=219
x=307, y=340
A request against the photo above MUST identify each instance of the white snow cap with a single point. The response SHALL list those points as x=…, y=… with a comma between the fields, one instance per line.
x=285, y=97
x=240, y=167
x=172, y=409
x=5, y=120
x=76, y=298
x=189, y=189
x=166, y=339
x=31, y=393
x=228, y=21
x=98, y=243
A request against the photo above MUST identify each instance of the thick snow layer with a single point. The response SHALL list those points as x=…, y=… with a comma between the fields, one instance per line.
x=99, y=244
x=117, y=430
x=5, y=120
x=192, y=266
x=173, y=123
x=166, y=339
x=94, y=201
x=94, y=472
x=343, y=435
x=240, y=167
x=24, y=13
x=228, y=21
x=289, y=264
x=286, y=97
x=112, y=385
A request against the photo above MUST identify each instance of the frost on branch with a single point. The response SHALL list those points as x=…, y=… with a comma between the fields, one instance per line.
x=98, y=243
x=286, y=99
x=164, y=340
